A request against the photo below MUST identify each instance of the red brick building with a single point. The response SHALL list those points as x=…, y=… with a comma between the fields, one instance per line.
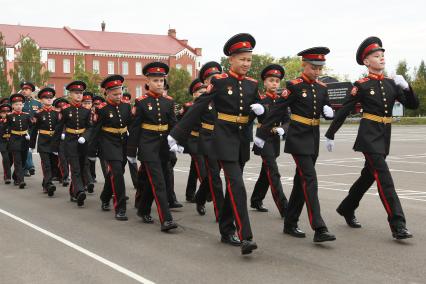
x=103, y=52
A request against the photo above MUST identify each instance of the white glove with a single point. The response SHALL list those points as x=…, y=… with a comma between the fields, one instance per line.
x=131, y=159
x=258, y=109
x=329, y=145
x=400, y=81
x=280, y=131
x=176, y=149
x=91, y=159
x=171, y=141
x=31, y=150
x=63, y=136
x=81, y=140
x=259, y=142
x=27, y=137
x=328, y=111
x=55, y=153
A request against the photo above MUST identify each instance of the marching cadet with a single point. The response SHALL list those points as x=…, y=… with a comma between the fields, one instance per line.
x=45, y=125
x=235, y=98
x=60, y=104
x=206, y=149
x=196, y=88
x=94, y=146
x=111, y=121
x=7, y=158
x=88, y=180
x=307, y=98
x=269, y=175
x=30, y=106
x=377, y=95
x=18, y=123
x=76, y=132
x=154, y=116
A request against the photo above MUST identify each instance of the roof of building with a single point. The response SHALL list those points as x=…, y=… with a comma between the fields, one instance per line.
x=70, y=39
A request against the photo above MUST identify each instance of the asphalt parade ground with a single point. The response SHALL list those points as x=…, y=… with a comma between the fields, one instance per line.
x=50, y=240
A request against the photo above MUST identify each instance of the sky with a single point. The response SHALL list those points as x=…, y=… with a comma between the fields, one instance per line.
x=281, y=28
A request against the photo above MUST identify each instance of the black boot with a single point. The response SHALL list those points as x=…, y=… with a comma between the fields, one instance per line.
x=322, y=235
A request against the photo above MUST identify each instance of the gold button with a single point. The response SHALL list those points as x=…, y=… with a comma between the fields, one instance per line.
x=386, y=111
x=240, y=127
x=239, y=114
x=241, y=101
x=384, y=99
x=315, y=113
x=241, y=89
x=241, y=108
x=239, y=82
x=241, y=94
x=386, y=105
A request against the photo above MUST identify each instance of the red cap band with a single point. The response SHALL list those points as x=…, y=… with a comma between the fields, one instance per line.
x=368, y=49
x=115, y=83
x=320, y=57
x=156, y=70
x=238, y=45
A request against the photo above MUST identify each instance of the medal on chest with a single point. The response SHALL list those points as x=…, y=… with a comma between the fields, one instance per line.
x=13, y=119
x=149, y=106
x=304, y=94
x=372, y=92
x=111, y=115
x=230, y=90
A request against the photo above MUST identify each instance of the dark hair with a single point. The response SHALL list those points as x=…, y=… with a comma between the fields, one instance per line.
x=146, y=87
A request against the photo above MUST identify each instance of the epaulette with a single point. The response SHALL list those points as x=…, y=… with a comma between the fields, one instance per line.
x=321, y=83
x=285, y=93
x=296, y=81
x=125, y=102
x=168, y=97
x=188, y=104
x=141, y=97
x=262, y=97
x=363, y=80
x=40, y=110
x=102, y=105
x=251, y=79
x=221, y=76
x=65, y=106
x=56, y=109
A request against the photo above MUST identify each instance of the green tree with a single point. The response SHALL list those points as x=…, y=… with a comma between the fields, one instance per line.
x=179, y=81
x=27, y=65
x=421, y=71
x=402, y=69
x=91, y=79
x=5, y=88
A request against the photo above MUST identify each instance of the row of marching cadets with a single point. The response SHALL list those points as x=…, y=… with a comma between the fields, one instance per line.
x=214, y=129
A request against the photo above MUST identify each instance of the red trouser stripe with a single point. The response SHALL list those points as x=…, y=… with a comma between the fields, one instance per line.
x=111, y=178
x=160, y=211
x=197, y=168
x=273, y=189
x=209, y=176
x=234, y=206
x=305, y=193
x=379, y=185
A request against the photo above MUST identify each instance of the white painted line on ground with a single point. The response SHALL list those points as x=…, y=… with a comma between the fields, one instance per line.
x=70, y=244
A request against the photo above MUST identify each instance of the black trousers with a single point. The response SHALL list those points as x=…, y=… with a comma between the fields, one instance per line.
x=155, y=172
x=375, y=169
x=305, y=190
x=63, y=163
x=269, y=177
x=115, y=185
x=19, y=159
x=133, y=168
x=212, y=184
x=78, y=172
x=235, y=203
x=191, y=184
x=46, y=167
x=92, y=167
x=6, y=161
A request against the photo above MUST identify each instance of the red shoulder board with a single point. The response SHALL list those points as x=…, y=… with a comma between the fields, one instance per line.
x=322, y=83
x=125, y=101
x=65, y=106
x=354, y=91
x=168, y=97
x=57, y=110
x=141, y=97
x=188, y=104
x=363, y=80
x=209, y=88
x=25, y=112
x=285, y=93
x=296, y=81
x=102, y=105
x=39, y=110
x=221, y=76
x=262, y=97
x=251, y=79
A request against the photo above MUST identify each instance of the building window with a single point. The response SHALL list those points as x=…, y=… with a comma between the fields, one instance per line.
x=110, y=67
x=138, y=67
x=96, y=66
x=67, y=66
x=51, y=65
x=65, y=91
x=138, y=91
x=178, y=66
x=51, y=86
x=125, y=68
x=189, y=69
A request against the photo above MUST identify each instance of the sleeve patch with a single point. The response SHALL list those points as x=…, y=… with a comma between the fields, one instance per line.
x=354, y=91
